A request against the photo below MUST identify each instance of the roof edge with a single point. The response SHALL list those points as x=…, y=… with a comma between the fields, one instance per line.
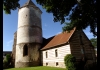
x=72, y=34
x=54, y=46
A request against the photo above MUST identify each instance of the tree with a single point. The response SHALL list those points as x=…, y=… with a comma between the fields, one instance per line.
x=8, y=58
x=94, y=42
x=80, y=13
x=7, y=61
x=9, y=5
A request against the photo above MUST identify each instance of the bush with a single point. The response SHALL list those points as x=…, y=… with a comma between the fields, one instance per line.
x=7, y=61
x=8, y=58
x=70, y=62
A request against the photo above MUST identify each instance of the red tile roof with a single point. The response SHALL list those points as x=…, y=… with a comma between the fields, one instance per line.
x=59, y=39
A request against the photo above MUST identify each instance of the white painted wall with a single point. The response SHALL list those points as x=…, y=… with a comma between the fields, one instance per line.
x=52, y=59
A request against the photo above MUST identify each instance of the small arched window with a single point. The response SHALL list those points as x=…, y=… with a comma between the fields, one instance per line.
x=56, y=63
x=25, y=50
x=46, y=64
x=56, y=53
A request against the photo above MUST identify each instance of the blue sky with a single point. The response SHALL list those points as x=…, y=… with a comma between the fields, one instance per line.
x=49, y=28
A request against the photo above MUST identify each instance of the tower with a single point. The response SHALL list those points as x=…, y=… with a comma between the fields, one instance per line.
x=29, y=36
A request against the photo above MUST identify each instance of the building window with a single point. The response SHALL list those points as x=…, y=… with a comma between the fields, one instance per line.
x=25, y=50
x=56, y=53
x=46, y=64
x=56, y=63
x=46, y=55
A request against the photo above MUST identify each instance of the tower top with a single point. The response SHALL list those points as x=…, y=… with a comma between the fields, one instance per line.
x=30, y=3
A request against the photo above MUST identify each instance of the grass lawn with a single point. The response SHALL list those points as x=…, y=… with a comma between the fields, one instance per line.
x=37, y=68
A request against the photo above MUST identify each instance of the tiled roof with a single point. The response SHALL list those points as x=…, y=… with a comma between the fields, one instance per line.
x=59, y=39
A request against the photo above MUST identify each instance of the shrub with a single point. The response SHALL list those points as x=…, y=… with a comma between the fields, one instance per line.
x=8, y=58
x=70, y=62
x=5, y=63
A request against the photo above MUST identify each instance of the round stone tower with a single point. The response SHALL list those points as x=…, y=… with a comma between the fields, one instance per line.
x=29, y=36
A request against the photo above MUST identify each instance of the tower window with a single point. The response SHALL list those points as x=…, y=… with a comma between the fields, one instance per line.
x=46, y=55
x=25, y=50
x=56, y=53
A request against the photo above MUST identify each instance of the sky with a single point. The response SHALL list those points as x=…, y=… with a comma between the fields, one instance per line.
x=49, y=27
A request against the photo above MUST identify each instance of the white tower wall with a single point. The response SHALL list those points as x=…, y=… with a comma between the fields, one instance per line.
x=29, y=35
x=29, y=25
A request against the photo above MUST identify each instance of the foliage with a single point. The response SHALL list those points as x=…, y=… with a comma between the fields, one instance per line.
x=70, y=62
x=9, y=5
x=38, y=68
x=8, y=58
x=5, y=63
x=94, y=42
x=80, y=13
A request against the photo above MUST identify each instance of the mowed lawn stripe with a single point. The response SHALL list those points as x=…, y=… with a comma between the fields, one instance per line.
x=37, y=68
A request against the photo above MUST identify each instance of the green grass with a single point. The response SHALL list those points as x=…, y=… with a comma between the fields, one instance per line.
x=37, y=68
